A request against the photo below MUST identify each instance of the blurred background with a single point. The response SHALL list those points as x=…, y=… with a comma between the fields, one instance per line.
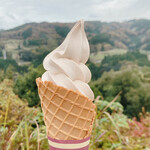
x=119, y=36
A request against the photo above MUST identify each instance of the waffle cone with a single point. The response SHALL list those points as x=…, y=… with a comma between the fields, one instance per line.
x=68, y=115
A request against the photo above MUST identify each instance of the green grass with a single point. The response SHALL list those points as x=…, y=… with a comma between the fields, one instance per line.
x=97, y=58
x=11, y=47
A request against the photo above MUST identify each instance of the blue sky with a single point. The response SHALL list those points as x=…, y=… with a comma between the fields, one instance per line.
x=17, y=12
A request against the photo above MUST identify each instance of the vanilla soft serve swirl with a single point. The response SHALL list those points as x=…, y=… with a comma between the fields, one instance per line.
x=66, y=64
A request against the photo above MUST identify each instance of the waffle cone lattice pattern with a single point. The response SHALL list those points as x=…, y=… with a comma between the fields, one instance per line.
x=68, y=115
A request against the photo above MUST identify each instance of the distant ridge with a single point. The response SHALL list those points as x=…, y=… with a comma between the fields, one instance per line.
x=132, y=34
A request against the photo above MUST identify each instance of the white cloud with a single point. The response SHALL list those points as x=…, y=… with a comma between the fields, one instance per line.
x=17, y=12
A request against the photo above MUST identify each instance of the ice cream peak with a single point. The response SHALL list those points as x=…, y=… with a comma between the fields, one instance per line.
x=66, y=64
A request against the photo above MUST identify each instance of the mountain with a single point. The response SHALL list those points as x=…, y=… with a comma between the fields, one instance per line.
x=133, y=34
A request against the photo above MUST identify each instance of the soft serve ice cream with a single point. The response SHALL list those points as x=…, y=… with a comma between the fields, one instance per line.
x=66, y=98
x=65, y=66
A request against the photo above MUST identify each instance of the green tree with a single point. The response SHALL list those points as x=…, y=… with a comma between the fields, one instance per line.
x=134, y=94
x=39, y=58
x=62, y=31
x=1, y=53
x=94, y=70
x=19, y=47
x=102, y=48
x=24, y=43
x=26, y=55
x=37, y=42
x=10, y=72
x=2, y=75
x=27, y=33
x=101, y=38
x=25, y=86
x=5, y=63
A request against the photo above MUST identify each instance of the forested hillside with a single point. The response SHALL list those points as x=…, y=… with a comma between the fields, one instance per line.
x=134, y=34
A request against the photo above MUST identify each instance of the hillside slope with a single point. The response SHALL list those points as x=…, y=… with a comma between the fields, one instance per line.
x=134, y=34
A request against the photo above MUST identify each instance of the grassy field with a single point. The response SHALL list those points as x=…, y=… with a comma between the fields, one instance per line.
x=12, y=44
x=14, y=47
x=97, y=58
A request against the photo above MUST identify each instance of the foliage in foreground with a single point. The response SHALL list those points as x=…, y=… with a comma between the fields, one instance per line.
x=114, y=131
x=134, y=86
x=22, y=127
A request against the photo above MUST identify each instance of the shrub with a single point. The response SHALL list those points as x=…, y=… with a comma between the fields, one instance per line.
x=25, y=86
